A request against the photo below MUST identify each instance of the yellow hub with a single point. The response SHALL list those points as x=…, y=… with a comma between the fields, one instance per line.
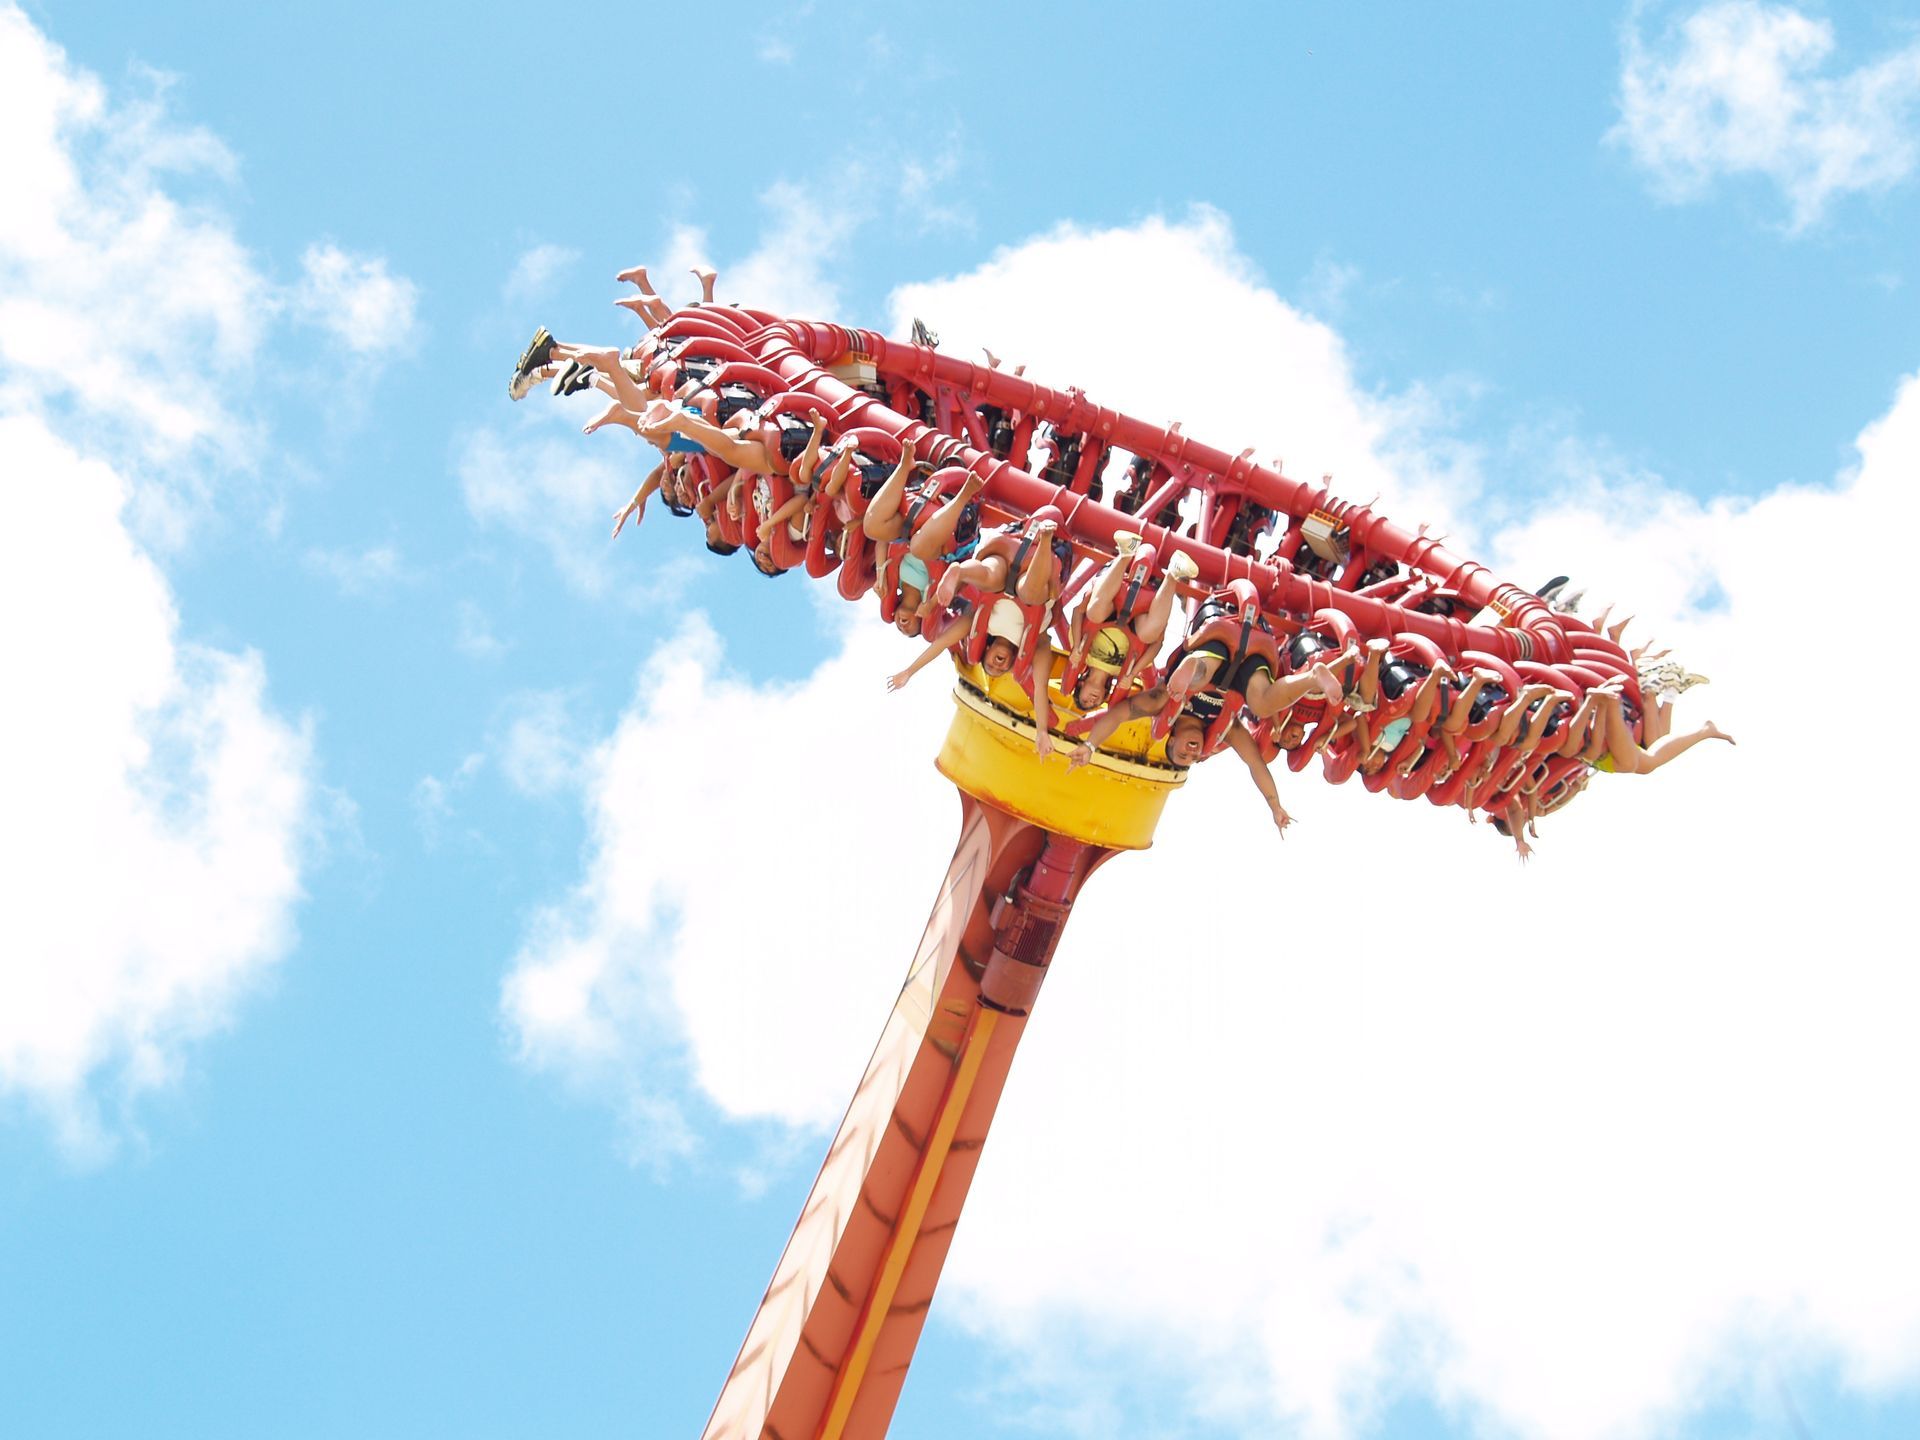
x=1114, y=800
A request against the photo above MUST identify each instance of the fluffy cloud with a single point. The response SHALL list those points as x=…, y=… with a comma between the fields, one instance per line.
x=805, y=234
x=355, y=299
x=536, y=269
x=538, y=478
x=111, y=257
x=1567, y=1149
x=156, y=807
x=666, y=932
x=146, y=295
x=1737, y=88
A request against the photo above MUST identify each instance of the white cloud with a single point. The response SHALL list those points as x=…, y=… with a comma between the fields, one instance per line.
x=657, y=913
x=540, y=749
x=538, y=478
x=152, y=303
x=1050, y=303
x=535, y=270
x=474, y=635
x=357, y=572
x=356, y=300
x=808, y=227
x=925, y=174
x=157, y=810
x=433, y=798
x=1568, y=1149
x=1742, y=88
x=157, y=309
x=805, y=234
x=151, y=846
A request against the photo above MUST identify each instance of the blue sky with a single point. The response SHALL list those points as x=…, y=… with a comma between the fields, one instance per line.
x=374, y=1055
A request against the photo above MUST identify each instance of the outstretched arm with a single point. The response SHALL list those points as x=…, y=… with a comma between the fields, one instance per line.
x=1105, y=722
x=1244, y=745
x=636, y=508
x=1042, y=710
x=945, y=640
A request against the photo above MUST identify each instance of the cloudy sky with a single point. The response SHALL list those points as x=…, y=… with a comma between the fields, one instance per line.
x=420, y=1013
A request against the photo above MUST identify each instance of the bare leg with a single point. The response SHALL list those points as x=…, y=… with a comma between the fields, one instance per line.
x=1460, y=713
x=650, y=308
x=883, y=520
x=1152, y=626
x=1194, y=673
x=1038, y=581
x=614, y=414
x=1579, y=727
x=626, y=389
x=1508, y=729
x=637, y=275
x=1098, y=608
x=1657, y=722
x=987, y=575
x=837, y=474
x=934, y=538
x=1630, y=759
x=724, y=444
x=706, y=275
x=1367, y=688
x=1674, y=745
x=1536, y=726
x=1267, y=696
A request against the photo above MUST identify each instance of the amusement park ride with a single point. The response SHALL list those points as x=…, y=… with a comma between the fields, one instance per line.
x=827, y=1352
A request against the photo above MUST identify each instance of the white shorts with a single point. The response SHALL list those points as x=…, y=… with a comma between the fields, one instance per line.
x=1005, y=622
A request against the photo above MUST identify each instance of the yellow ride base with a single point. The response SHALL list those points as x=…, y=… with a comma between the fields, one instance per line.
x=1113, y=800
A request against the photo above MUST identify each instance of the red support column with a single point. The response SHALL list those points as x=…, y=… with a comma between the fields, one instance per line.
x=828, y=1350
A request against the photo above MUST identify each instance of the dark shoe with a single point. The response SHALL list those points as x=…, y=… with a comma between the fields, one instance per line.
x=538, y=352
x=573, y=378
x=1551, y=588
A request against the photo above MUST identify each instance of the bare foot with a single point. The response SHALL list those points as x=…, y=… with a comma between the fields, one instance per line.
x=1328, y=682
x=706, y=275
x=947, y=587
x=1714, y=732
x=614, y=414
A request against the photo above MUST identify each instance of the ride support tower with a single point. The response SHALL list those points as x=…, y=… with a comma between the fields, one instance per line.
x=829, y=1347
